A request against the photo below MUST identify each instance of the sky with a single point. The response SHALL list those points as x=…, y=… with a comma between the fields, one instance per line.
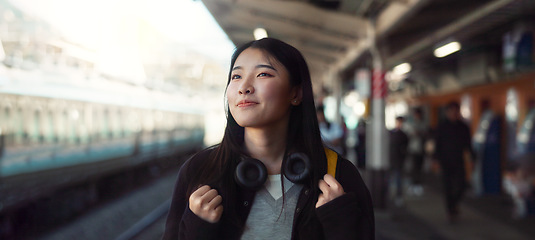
x=87, y=21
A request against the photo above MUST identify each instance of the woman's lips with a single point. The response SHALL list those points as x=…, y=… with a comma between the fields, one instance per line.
x=246, y=103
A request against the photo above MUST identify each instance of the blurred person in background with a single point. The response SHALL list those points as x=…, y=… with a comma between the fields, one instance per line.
x=331, y=132
x=398, y=153
x=360, y=147
x=453, y=151
x=270, y=116
x=417, y=138
x=343, y=144
x=519, y=182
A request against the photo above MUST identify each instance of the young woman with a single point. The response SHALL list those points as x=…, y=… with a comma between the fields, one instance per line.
x=271, y=117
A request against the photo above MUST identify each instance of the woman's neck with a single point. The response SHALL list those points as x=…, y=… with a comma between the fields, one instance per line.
x=266, y=145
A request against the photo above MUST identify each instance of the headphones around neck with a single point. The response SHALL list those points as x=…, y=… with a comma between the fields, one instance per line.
x=252, y=174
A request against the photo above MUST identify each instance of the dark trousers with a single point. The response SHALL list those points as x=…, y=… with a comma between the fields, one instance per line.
x=361, y=154
x=454, y=187
x=417, y=165
x=396, y=179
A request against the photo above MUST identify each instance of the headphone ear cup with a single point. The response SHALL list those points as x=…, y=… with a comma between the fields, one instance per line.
x=250, y=173
x=297, y=167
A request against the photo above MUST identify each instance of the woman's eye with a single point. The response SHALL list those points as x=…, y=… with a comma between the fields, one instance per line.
x=235, y=77
x=264, y=75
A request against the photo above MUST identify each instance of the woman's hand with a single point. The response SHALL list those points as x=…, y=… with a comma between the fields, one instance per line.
x=205, y=202
x=330, y=189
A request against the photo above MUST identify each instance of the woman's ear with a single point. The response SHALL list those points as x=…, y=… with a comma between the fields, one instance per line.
x=297, y=95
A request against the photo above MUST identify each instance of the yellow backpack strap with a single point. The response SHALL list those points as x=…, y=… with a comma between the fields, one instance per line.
x=332, y=159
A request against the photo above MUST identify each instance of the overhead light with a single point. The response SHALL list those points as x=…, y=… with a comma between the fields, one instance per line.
x=359, y=108
x=260, y=33
x=447, y=49
x=352, y=98
x=402, y=69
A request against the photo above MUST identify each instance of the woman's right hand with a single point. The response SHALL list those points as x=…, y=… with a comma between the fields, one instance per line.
x=205, y=202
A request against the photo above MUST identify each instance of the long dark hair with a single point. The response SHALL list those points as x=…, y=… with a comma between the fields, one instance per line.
x=303, y=131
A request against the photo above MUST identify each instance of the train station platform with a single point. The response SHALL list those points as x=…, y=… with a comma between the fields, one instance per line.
x=419, y=218
x=424, y=217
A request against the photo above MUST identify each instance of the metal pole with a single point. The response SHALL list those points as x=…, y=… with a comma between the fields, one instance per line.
x=378, y=140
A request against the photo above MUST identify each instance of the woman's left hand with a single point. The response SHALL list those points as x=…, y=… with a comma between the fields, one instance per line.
x=330, y=189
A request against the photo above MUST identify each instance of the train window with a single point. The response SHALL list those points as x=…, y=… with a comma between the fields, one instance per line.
x=128, y=126
x=158, y=120
x=74, y=116
x=170, y=121
x=133, y=122
x=35, y=134
x=5, y=125
x=65, y=127
x=49, y=125
x=84, y=123
x=110, y=118
x=148, y=121
x=18, y=126
x=118, y=123
x=112, y=126
x=58, y=123
x=105, y=127
x=46, y=126
x=95, y=123
x=70, y=118
x=178, y=121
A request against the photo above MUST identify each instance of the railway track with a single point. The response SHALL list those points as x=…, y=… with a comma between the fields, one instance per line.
x=140, y=214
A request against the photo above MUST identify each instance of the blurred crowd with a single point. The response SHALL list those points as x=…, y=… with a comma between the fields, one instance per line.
x=417, y=150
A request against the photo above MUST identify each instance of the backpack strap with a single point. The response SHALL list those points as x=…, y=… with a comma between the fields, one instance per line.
x=332, y=159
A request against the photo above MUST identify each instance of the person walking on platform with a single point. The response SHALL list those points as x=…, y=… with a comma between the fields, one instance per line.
x=417, y=137
x=452, y=146
x=331, y=132
x=360, y=147
x=398, y=152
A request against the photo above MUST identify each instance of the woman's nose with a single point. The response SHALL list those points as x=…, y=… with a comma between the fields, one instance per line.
x=246, y=89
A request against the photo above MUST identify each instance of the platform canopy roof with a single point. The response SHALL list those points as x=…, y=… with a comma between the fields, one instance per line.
x=335, y=35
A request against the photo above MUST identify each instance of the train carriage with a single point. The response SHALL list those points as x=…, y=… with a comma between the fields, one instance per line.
x=54, y=137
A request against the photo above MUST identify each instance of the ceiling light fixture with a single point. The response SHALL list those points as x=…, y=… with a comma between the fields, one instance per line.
x=447, y=49
x=402, y=69
x=260, y=33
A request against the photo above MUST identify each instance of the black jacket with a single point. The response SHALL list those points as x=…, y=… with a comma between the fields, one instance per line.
x=398, y=149
x=451, y=141
x=347, y=217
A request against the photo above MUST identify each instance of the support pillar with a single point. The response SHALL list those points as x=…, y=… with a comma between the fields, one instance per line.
x=377, y=143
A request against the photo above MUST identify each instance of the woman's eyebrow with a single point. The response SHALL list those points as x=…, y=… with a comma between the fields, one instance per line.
x=266, y=66
x=257, y=66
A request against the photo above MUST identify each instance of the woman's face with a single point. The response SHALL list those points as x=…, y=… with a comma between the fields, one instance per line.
x=259, y=93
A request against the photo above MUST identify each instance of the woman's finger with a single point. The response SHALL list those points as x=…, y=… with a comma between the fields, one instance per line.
x=333, y=183
x=209, y=195
x=215, y=202
x=321, y=200
x=201, y=191
x=324, y=187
